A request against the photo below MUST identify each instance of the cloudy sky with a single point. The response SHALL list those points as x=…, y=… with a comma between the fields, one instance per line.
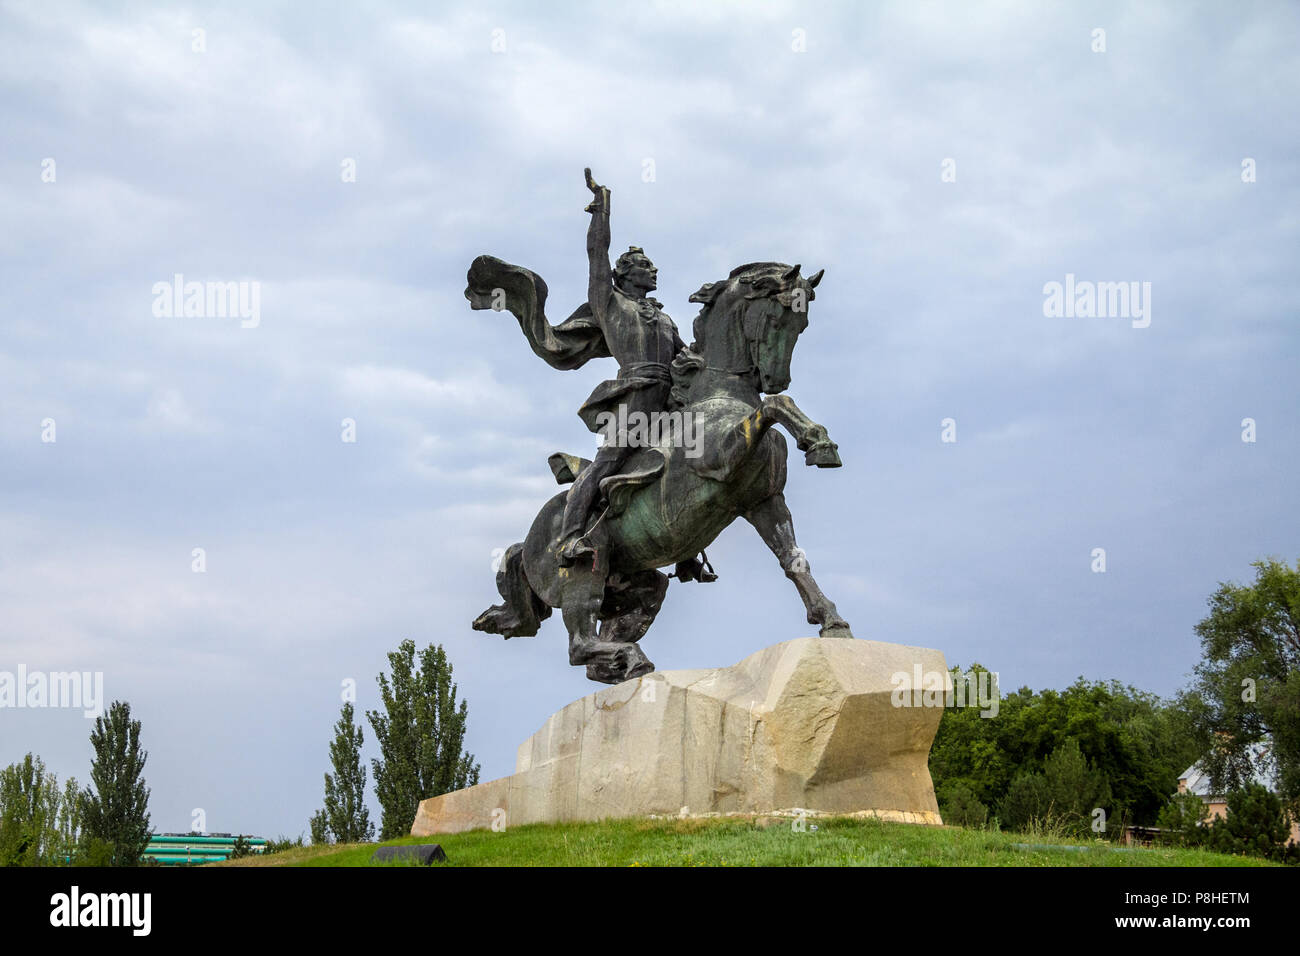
x=135, y=149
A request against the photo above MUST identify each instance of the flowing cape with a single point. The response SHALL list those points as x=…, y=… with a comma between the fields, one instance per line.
x=571, y=344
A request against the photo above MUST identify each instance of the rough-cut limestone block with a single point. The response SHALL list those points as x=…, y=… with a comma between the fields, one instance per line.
x=810, y=724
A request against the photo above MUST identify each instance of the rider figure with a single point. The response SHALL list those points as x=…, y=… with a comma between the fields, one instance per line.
x=641, y=338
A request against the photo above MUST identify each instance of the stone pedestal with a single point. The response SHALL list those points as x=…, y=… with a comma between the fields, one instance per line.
x=814, y=724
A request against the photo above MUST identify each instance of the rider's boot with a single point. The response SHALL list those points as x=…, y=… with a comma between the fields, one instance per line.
x=577, y=508
x=574, y=547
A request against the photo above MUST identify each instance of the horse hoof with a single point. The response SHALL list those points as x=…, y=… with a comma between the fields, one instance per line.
x=632, y=662
x=498, y=619
x=614, y=666
x=640, y=670
x=823, y=455
x=837, y=630
x=602, y=673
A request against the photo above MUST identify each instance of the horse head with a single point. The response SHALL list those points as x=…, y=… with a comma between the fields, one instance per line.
x=751, y=320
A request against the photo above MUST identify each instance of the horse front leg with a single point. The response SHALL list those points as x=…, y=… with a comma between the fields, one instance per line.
x=723, y=454
x=771, y=518
x=737, y=443
x=812, y=439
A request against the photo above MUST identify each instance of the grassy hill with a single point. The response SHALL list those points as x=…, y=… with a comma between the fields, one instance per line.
x=836, y=841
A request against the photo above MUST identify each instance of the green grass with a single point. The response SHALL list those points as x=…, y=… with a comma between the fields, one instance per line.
x=839, y=841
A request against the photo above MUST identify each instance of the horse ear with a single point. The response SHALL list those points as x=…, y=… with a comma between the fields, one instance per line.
x=791, y=275
x=706, y=294
x=814, y=279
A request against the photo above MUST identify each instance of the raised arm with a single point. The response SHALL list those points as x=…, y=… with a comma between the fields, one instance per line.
x=601, y=277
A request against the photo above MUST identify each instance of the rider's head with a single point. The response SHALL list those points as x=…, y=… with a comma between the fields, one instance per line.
x=634, y=272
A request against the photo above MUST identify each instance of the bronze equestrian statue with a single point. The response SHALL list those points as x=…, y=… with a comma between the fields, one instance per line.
x=687, y=446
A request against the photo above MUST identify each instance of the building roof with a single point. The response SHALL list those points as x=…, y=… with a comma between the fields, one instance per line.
x=1198, y=781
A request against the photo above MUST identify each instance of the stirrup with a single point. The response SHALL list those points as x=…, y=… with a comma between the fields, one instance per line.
x=695, y=569
x=573, y=549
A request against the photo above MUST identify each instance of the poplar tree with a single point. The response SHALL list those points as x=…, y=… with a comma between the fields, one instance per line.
x=29, y=805
x=420, y=733
x=345, y=818
x=116, y=806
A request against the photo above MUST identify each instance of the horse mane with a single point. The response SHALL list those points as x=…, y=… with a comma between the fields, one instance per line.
x=752, y=280
x=688, y=364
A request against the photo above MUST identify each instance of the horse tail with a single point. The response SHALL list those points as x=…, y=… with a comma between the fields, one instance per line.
x=523, y=611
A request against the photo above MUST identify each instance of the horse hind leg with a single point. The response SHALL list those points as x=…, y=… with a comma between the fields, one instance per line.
x=523, y=611
x=584, y=593
x=629, y=610
x=772, y=519
x=583, y=602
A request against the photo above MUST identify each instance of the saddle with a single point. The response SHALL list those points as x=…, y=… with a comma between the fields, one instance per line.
x=616, y=489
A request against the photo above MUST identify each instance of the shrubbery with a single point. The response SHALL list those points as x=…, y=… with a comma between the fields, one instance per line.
x=1255, y=825
x=1130, y=748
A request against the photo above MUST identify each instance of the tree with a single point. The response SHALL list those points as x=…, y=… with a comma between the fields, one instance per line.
x=345, y=817
x=1182, y=820
x=320, y=828
x=1027, y=803
x=29, y=806
x=242, y=848
x=1247, y=689
x=960, y=807
x=1064, y=795
x=1136, y=740
x=420, y=734
x=71, y=810
x=1254, y=826
x=116, y=803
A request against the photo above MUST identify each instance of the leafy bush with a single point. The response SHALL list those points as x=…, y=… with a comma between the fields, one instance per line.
x=1182, y=821
x=1138, y=741
x=1255, y=826
x=37, y=827
x=282, y=843
x=959, y=806
x=1065, y=795
x=320, y=828
x=94, y=851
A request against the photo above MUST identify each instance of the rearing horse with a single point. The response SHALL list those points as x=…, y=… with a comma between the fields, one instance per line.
x=673, y=499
